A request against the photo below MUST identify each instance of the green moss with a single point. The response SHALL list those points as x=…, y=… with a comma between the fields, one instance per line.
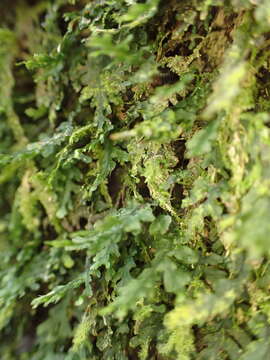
x=134, y=153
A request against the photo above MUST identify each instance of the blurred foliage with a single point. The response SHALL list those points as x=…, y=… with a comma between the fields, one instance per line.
x=135, y=179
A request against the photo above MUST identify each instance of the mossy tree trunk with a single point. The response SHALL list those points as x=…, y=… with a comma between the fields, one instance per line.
x=135, y=194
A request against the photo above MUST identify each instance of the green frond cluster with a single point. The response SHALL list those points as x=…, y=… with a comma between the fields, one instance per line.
x=135, y=180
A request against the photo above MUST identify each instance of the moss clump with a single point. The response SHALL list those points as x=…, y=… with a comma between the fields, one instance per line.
x=134, y=152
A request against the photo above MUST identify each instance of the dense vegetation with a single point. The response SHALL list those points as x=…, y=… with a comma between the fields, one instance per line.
x=135, y=179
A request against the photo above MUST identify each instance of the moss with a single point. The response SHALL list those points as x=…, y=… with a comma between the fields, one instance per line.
x=134, y=152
